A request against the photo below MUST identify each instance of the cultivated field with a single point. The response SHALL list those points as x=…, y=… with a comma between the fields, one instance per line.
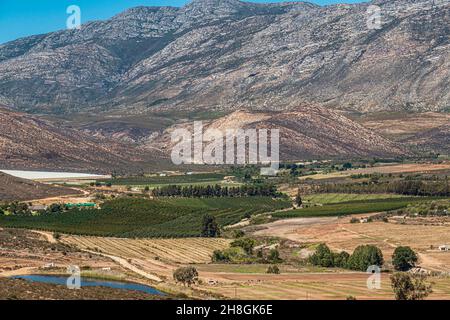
x=341, y=235
x=386, y=169
x=137, y=217
x=354, y=207
x=331, y=198
x=182, y=251
x=324, y=286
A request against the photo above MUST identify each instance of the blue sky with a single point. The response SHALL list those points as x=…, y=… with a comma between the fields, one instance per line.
x=20, y=18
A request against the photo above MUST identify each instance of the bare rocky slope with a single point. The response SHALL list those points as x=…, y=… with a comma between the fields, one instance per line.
x=232, y=55
x=305, y=132
x=27, y=142
x=12, y=188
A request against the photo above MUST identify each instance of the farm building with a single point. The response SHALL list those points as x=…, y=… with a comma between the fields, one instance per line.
x=38, y=208
x=444, y=247
x=80, y=205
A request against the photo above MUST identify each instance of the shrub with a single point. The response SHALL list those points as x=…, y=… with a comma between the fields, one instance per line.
x=186, y=275
x=273, y=269
x=323, y=257
x=238, y=234
x=410, y=287
x=99, y=196
x=404, y=258
x=365, y=256
x=245, y=243
x=354, y=220
x=340, y=260
x=55, y=208
x=260, y=254
x=235, y=254
x=19, y=209
x=274, y=256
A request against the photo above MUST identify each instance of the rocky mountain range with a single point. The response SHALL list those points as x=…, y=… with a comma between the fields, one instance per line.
x=233, y=55
x=107, y=96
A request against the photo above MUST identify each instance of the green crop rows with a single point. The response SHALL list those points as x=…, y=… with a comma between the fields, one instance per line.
x=354, y=207
x=131, y=217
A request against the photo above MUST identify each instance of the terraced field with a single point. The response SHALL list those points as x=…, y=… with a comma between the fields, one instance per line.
x=184, y=251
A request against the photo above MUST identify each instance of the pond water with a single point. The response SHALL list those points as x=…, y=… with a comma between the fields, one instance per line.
x=60, y=280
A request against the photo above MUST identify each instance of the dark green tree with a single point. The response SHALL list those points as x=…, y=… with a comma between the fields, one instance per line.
x=210, y=228
x=274, y=256
x=323, y=256
x=340, y=259
x=298, y=199
x=404, y=258
x=365, y=256
x=55, y=208
x=347, y=165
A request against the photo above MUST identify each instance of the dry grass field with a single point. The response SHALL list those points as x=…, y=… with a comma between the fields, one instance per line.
x=162, y=256
x=401, y=125
x=335, y=286
x=341, y=235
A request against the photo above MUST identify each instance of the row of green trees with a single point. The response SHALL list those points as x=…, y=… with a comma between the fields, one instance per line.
x=22, y=209
x=440, y=188
x=403, y=258
x=259, y=190
x=15, y=208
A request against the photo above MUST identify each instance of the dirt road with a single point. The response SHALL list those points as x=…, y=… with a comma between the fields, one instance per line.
x=127, y=265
